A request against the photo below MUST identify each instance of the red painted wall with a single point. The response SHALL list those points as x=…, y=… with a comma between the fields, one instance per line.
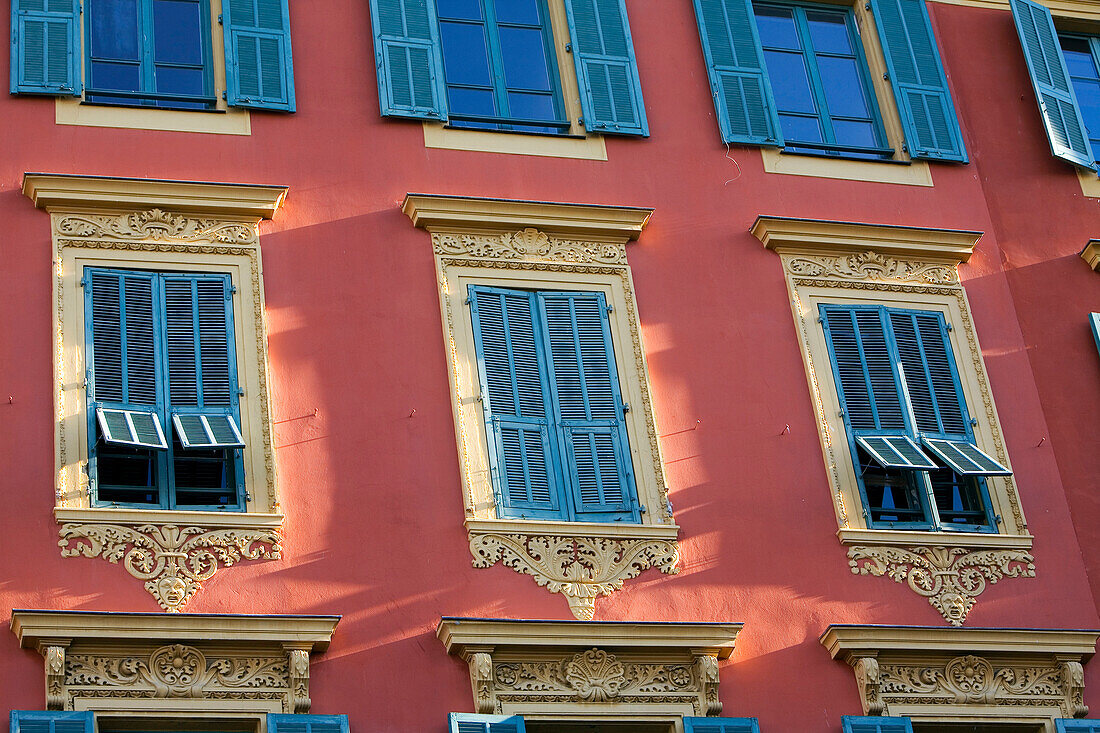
x=355, y=346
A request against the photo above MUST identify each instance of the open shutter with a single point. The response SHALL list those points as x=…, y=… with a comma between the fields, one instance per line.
x=45, y=47
x=721, y=725
x=918, y=80
x=866, y=381
x=258, y=67
x=52, y=721
x=1069, y=725
x=284, y=723
x=607, y=72
x=476, y=723
x=1050, y=79
x=738, y=78
x=1094, y=319
x=590, y=413
x=515, y=397
x=409, y=59
x=875, y=724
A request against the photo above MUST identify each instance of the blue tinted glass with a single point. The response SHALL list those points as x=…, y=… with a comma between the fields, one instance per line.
x=828, y=32
x=465, y=60
x=471, y=102
x=790, y=83
x=1078, y=57
x=800, y=129
x=524, y=58
x=517, y=11
x=1088, y=99
x=776, y=26
x=174, y=80
x=530, y=106
x=843, y=86
x=178, y=31
x=114, y=29
x=860, y=134
x=123, y=77
x=468, y=9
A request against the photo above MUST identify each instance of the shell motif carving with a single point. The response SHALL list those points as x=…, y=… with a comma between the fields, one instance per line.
x=157, y=225
x=871, y=265
x=528, y=244
x=596, y=675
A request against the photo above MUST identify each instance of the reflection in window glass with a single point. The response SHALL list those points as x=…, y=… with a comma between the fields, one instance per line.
x=1082, y=55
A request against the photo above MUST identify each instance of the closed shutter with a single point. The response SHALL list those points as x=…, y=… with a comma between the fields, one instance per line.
x=283, y=723
x=607, y=71
x=917, y=77
x=1050, y=79
x=258, y=66
x=45, y=47
x=52, y=721
x=721, y=725
x=476, y=723
x=867, y=383
x=738, y=78
x=930, y=376
x=409, y=59
x=875, y=724
x=1069, y=725
x=516, y=398
x=585, y=388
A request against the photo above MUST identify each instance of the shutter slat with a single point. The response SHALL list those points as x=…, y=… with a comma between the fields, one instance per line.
x=301, y=723
x=45, y=44
x=409, y=60
x=866, y=381
x=720, y=725
x=1070, y=725
x=875, y=724
x=925, y=354
x=52, y=721
x=123, y=351
x=259, y=68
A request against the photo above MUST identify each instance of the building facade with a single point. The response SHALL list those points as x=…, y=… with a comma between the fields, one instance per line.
x=551, y=365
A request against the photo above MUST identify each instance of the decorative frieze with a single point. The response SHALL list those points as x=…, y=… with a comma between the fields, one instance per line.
x=155, y=225
x=529, y=244
x=872, y=266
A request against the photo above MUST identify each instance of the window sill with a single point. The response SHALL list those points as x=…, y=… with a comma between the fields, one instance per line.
x=590, y=147
x=908, y=173
x=1090, y=183
x=574, y=529
x=103, y=515
x=909, y=538
x=71, y=111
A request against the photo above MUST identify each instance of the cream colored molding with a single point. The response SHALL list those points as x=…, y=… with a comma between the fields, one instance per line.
x=538, y=245
x=613, y=667
x=927, y=673
x=1091, y=254
x=850, y=263
x=915, y=173
x=254, y=521
x=1090, y=183
x=95, y=658
x=590, y=147
x=1072, y=9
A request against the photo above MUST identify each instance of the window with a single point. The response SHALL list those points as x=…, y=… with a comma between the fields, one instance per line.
x=497, y=65
x=1082, y=56
x=907, y=423
x=875, y=724
x=795, y=76
x=163, y=403
x=475, y=723
x=823, y=94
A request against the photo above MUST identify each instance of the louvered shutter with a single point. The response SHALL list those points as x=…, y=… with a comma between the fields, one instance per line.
x=875, y=724
x=584, y=384
x=930, y=376
x=738, y=78
x=1094, y=319
x=1050, y=79
x=52, y=721
x=920, y=85
x=607, y=72
x=259, y=70
x=721, y=725
x=1069, y=725
x=866, y=380
x=298, y=723
x=409, y=59
x=515, y=397
x=476, y=723
x=45, y=47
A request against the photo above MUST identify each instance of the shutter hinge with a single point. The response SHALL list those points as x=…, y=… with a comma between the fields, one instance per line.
x=247, y=496
x=973, y=422
x=223, y=96
x=867, y=6
x=821, y=320
x=885, y=76
x=467, y=301
x=233, y=289
x=668, y=507
x=580, y=120
x=220, y=19
x=950, y=327
x=840, y=414
x=569, y=48
x=626, y=407
x=998, y=519
x=480, y=397
x=642, y=509
x=83, y=281
x=609, y=308
x=240, y=392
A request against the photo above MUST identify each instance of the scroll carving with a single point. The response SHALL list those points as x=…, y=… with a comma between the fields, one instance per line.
x=54, y=655
x=870, y=684
x=706, y=667
x=870, y=265
x=156, y=225
x=298, y=679
x=528, y=244
x=1073, y=684
x=481, y=677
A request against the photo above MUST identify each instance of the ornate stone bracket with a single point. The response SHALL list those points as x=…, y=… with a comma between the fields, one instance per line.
x=173, y=561
x=951, y=578
x=580, y=568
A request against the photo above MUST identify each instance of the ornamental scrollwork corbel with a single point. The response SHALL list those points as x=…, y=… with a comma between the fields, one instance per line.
x=869, y=679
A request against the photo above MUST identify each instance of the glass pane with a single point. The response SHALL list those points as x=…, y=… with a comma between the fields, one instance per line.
x=178, y=32
x=471, y=102
x=531, y=107
x=829, y=32
x=861, y=134
x=517, y=11
x=114, y=29
x=126, y=475
x=776, y=26
x=1079, y=59
x=843, y=87
x=465, y=60
x=958, y=499
x=1088, y=99
x=524, y=59
x=891, y=494
x=800, y=129
x=790, y=82
x=172, y=80
x=124, y=77
x=467, y=9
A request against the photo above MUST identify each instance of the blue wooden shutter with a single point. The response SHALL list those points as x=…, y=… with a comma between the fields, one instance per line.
x=409, y=59
x=475, y=723
x=52, y=721
x=918, y=80
x=259, y=72
x=607, y=72
x=123, y=354
x=588, y=403
x=45, y=47
x=1069, y=725
x=283, y=723
x=875, y=724
x=867, y=383
x=721, y=725
x=1094, y=319
x=1050, y=79
x=738, y=77
x=930, y=377
x=515, y=396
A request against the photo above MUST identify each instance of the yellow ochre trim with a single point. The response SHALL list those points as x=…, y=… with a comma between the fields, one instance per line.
x=915, y=173
x=575, y=529
x=908, y=538
x=437, y=135
x=843, y=237
x=1091, y=254
x=843, y=640
x=1090, y=182
x=100, y=515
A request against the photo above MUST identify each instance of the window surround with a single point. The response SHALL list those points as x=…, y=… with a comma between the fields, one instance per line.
x=223, y=119
x=148, y=224
x=538, y=245
x=593, y=670
x=1015, y=675
x=905, y=267
x=221, y=657
x=1091, y=254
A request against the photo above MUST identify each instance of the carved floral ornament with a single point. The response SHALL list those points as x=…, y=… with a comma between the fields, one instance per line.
x=528, y=244
x=155, y=225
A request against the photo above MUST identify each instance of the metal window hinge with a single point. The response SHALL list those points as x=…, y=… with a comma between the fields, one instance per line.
x=626, y=407
x=233, y=289
x=998, y=519
x=220, y=19
x=610, y=308
x=569, y=48
x=821, y=320
x=642, y=509
x=973, y=421
x=83, y=281
x=247, y=496
x=950, y=327
x=223, y=96
x=480, y=397
x=468, y=301
x=240, y=392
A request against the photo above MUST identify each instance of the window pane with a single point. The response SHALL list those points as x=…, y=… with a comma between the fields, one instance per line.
x=531, y=106
x=892, y=495
x=125, y=476
x=124, y=77
x=861, y=134
x=790, y=82
x=471, y=102
x=1088, y=99
x=468, y=9
x=517, y=11
x=843, y=87
x=1079, y=59
x=524, y=58
x=114, y=29
x=958, y=498
x=178, y=32
x=829, y=32
x=800, y=129
x=465, y=60
x=776, y=27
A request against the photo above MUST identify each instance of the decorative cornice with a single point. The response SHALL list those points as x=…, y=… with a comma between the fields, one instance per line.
x=846, y=641
x=469, y=214
x=57, y=192
x=530, y=245
x=810, y=236
x=951, y=578
x=1091, y=254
